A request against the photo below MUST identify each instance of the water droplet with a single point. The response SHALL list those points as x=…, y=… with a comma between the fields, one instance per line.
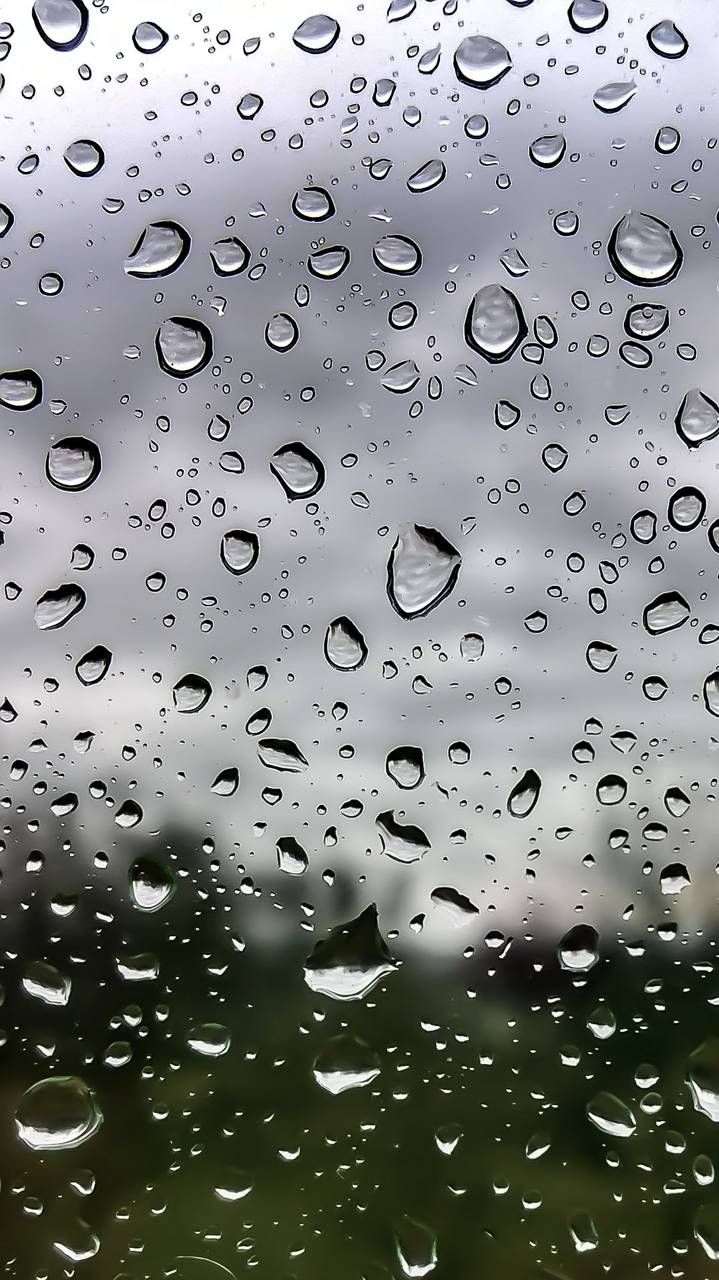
x=405, y=766
x=711, y=693
x=347, y=1062
x=494, y=325
x=44, y=982
x=481, y=62
x=422, y=569
x=547, y=151
x=239, y=550
x=674, y=878
x=317, y=34
x=401, y=841
x=457, y=905
x=687, y=507
x=329, y=263
x=149, y=38
x=20, y=389
x=416, y=1248
x=667, y=40
x=57, y=606
x=73, y=463
x=151, y=884
x=183, y=346
x=61, y=23
x=611, y=1116
x=313, y=204
x=229, y=257
x=587, y=15
x=646, y=320
x=281, y=332
x=57, y=1113
x=614, y=96
x=697, y=419
x=397, y=255
x=94, y=665
x=298, y=470
x=282, y=754
x=209, y=1039
x=345, y=647
x=703, y=1078
x=668, y=611
x=84, y=157
x=427, y=177
x=524, y=794
x=191, y=693
x=578, y=949
x=349, y=963
x=161, y=248
x=644, y=250
x=471, y=647
x=226, y=782
x=291, y=857
x=667, y=140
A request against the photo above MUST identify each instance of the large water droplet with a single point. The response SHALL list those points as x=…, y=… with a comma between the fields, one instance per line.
x=191, y=693
x=405, y=766
x=281, y=754
x=349, y=963
x=57, y=1113
x=317, y=34
x=577, y=950
x=524, y=794
x=313, y=204
x=456, y=905
x=401, y=840
x=281, y=332
x=151, y=884
x=298, y=470
x=44, y=982
x=20, y=389
x=329, y=263
x=57, y=606
x=686, y=508
x=614, y=96
x=494, y=325
x=84, y=157
x=183, y=346
x=587, y=15
x=239, y=550
x=667, y=40
x=547, y=151
x=61, y=23
x=398, y=255
x=481, y=62
x=149, y=38
x=646, y=320
x=94, y=665
x=347, y=1062
x=611, y=1116
x=422, y=569
x=644, y=250
x=697, y=419
x=416, y=1248
x=427, y=177
x=73, y=463
x=161, y=248
x=229, y=256
x=668, y=611
x=345, y=647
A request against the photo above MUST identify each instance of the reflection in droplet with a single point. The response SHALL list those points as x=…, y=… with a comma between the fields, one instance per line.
x=73, y=463
x=20, y=389
x=349, y=963
x=57, y=606
x=697, y=419
x=61, y=23
x=668, y=611
x=84, y=157
x=183, y=346
x=644, y=250
x=494, y=325
x=347, y=1062
x=191, y=693
x=345, y=647
x=398, y=255
x=481, y=62
x=151, y=884
x=316, y=34
x=239, y=550
x=57, y=1113
x=524, y=794
x=422, y=570
x=161, y=248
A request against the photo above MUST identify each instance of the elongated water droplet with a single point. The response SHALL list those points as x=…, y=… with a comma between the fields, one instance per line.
x=161, y=248
x=229, y=257
x=456, y=905
x=226, y=782
x=547, y=151
x=614, y=96
x=94, y=665
x=703, y=1078
x=611, y=1116
x=345, y=647
x=57, y=606
x=20, y=389
x=494, y=325
x=282, y=754
x=317, y=34
x=397, y=255
x=329, y=263
x=668, y=611
x=427, y=177
x=697, y=419
x=401, y=840
x=416, y=1248
x=524, y=794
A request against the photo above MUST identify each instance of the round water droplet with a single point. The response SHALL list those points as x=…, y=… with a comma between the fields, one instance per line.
x=350, y=962
x=57, y=1113
x=210, y=1039
x=611, y=789
x=667, y=140
x=151, y=884
x=494, y=325
x=398, y=255
x=191, y=693
x=329, y=263
x=229, y=256
x=94, y=665
x=73, y=463
x=61, y=23
x=687, y=507
x=668, y=611
x=161, y=248
x=587, y=15
x=646, y=321
x=422, y=569
x=84, y=157
x=20, y=389
x=345, y=647
x=547, y=151
x=577, y=950
x=183, y=346
x=347, y=1062
x=481, y=62
x=281, y=332
x=644, y=250
x=405, y=766
x=51, y=284
x=667, y=40
x=471, y=647
x=524, y=794
x=317, y=34
x=313, y=204
x=58, y=606
x=239, y=550
x=149, y=38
